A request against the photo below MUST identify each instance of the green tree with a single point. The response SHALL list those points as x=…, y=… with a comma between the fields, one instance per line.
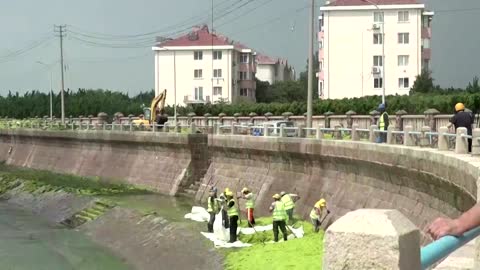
x=423, y=83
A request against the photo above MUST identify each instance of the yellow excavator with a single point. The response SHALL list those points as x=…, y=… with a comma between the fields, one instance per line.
x=150, y=114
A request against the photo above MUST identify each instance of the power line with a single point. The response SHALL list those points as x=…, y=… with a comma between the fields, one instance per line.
x=61, y=30
x=274, y=19
x=30, y=47
x=189, y=22
x=246, y=12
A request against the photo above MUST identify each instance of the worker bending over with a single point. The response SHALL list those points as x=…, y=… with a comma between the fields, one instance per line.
x=279, y=217
x=213, y=207
x=289, y=200
x=249, y=205
x=317, y=213
x=232, y=211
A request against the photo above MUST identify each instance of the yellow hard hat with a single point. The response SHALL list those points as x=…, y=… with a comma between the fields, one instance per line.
x=321, y=203
x=459, y=107
x=245, y=190
x=228, y=193
x=276, y=196
x=227, y=190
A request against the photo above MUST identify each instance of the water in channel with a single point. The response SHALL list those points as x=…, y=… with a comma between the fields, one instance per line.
x=29, y=243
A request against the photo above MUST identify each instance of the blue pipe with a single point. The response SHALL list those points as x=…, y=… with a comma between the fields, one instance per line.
x=435, y=251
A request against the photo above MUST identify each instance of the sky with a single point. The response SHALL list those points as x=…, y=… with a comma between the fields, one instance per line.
x=273, y=27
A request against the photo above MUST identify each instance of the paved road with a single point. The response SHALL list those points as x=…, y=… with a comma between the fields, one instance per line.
x=26, y=243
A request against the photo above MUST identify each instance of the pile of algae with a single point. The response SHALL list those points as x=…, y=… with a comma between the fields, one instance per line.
x=302, y=253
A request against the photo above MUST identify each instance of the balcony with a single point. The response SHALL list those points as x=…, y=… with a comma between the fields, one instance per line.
x=190, y=99
x=426, y=53
x=426, y=32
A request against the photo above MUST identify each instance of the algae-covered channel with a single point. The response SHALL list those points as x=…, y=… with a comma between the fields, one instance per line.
x=27, y=242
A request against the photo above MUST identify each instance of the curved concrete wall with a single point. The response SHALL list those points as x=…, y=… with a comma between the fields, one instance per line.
x=421, y=183
x=160, y=161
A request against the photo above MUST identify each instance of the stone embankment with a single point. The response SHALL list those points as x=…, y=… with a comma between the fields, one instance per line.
x=422, y=183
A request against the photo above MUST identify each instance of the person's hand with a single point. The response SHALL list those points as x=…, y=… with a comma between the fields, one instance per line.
x=328, y=211
x=444, y=226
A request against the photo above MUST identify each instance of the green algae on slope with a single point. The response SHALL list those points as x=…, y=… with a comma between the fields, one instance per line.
x=303, y=253
x=45, y=181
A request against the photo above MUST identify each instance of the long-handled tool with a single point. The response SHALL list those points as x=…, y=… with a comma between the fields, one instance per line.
x=325, y=217
x=288, y=228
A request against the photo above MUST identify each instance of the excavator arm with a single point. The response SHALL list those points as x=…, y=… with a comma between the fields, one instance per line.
x=157, y=103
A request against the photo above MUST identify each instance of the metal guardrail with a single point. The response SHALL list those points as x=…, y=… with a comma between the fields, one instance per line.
x=440, y=249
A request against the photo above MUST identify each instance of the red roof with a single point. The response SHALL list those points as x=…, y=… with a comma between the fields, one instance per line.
x=201, y=36
x=265, y=60
x=369, y=3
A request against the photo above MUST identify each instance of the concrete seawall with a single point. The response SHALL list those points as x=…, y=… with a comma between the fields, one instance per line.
x=162, y=162
x=422, y=183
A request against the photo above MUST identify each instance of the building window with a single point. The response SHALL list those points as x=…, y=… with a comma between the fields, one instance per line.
x=403, y=60
x=199, y=93
x=320, y=88
x=320, y=44
x=217, y=73
x=217, y=55
x=244, y=58
x=425, y=43
x=426, y=64
x=377, y=61
x=198, y=74
x=217, y=91
x=377, y=83
x=403, y=83
x=198, y=55
x=320, y=66
x=403, y=16
x=403, y=38
x=243, y=75
x=377, y=39
x=378, y=17
x=243, y=92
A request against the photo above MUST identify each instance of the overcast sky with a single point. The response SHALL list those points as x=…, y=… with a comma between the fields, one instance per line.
x=274, y=27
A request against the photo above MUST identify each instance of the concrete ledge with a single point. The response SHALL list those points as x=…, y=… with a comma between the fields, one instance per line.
x=370, y=240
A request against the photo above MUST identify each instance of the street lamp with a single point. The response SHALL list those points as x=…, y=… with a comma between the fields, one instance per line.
x=384, y=63
x=48, y=67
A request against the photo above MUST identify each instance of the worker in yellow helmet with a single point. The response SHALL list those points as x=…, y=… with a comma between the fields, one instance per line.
x=289, y=201
x=213, y=208
x=461, y=118
x=232, y=211
x=279, y=217
x=319, y=209
x=249, y=205
x=223, y=203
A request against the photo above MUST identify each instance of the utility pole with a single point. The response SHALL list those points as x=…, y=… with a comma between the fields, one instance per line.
x=61, y=30
x=310, y=66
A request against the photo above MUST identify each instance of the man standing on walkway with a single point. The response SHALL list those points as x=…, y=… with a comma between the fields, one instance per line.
x=383, y=123
x=213, y=208
x=289, y=202
x=279, y=217
x=232, y=211
x=249, y=205
x=317, y=212
x=462, y=119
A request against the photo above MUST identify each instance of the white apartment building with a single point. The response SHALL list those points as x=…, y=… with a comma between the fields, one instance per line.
x=273, y=70
x=351, y=46
x=202, y=67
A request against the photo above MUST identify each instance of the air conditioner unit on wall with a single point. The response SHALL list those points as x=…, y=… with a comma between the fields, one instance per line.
x=376, y=70
x=377, y=26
